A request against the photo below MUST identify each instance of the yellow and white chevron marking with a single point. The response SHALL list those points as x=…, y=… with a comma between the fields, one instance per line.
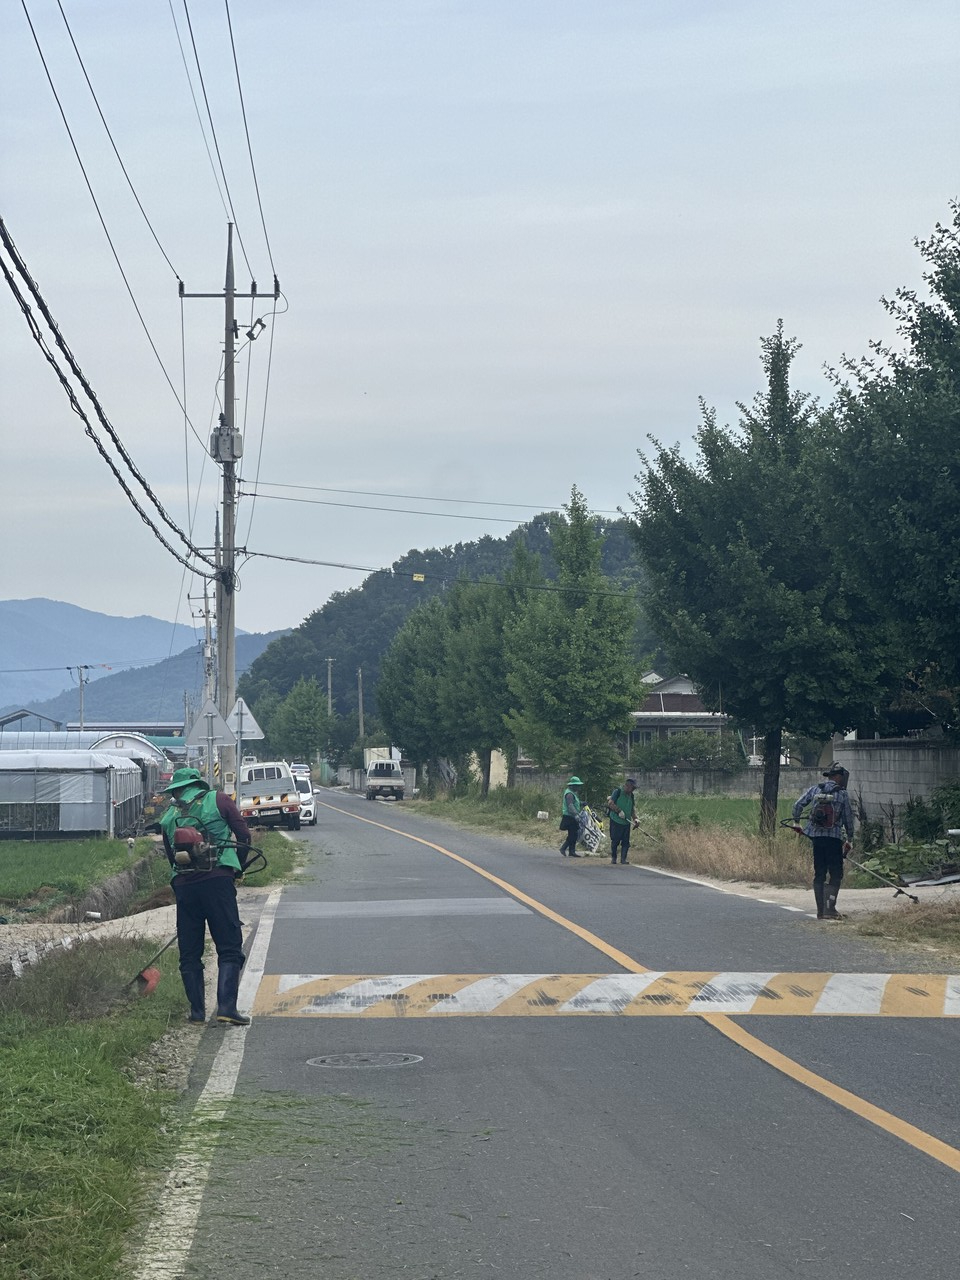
x=430, y=995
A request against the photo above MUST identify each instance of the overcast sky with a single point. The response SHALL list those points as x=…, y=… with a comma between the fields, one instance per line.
x=513, y=237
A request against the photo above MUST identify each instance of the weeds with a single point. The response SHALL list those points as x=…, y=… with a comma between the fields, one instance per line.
x=936, y=923
x=75, y=1130
x=721, y=853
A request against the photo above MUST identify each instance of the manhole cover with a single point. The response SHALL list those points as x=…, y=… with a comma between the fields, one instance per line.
x=365, y=1060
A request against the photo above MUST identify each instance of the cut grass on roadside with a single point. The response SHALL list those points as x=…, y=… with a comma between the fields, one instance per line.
x=927, y=924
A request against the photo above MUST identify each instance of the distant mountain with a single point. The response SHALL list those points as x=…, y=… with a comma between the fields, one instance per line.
x=41, y=639
x=156, y=692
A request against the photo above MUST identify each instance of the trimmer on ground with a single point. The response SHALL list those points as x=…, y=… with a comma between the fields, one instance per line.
x=891, y=884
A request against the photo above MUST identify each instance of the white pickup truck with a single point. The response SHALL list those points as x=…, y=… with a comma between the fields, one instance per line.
x=384, y=778
x=267, y=795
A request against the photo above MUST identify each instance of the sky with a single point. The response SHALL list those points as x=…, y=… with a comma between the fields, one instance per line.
x=514, y=239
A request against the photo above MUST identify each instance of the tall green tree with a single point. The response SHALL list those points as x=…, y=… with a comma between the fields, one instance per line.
x=900, y=412
x=299, y=727
x=409, y=686
x=570, y=654
x=750, y=596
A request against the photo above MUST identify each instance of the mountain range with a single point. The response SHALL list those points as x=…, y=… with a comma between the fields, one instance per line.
x=42, y=643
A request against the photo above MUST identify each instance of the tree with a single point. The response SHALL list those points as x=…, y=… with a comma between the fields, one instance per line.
x=300, y=727
x=750, y=597
x=900, y=416
x=407, y=694
x=569, y=653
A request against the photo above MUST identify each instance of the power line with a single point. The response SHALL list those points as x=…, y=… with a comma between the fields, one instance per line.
x=357, y=506
x=246, y=130
x=427, y=497
x=96, y=205
x=196, y=107
x=78, y=408
x=116, y=152
x=213, y=134
x=419, y=578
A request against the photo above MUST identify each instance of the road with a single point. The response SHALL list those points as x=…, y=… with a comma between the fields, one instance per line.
x=474, y=1058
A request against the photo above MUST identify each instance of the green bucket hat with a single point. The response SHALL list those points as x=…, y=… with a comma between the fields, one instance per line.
x=574, y=782
x=186, y=778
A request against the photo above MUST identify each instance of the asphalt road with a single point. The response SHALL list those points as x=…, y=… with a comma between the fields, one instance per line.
x=464, y=1116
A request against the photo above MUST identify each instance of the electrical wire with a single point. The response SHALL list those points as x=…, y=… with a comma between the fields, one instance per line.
x=418, y=578
x=213, y=134
x=357, y=506
x=96, y=205
x=38, y=337
x=420, y=497
x=113, y=144
x=196, y=107
x=246, y=130
x=263, y=417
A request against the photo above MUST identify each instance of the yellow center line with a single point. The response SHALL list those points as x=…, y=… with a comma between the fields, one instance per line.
x=885, y=1120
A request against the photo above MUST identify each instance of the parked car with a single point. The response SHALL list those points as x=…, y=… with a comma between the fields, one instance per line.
x=308, y=806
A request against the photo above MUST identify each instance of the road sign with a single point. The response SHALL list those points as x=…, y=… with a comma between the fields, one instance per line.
x=241, y=723
x=209, y=726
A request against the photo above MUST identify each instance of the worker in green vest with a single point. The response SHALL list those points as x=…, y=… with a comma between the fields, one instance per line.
x=199, y=827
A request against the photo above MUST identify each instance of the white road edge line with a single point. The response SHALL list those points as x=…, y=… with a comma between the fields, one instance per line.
x=705, y=884
x=169, y=1236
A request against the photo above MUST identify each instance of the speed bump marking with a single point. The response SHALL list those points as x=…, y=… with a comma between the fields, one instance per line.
x=330, y=995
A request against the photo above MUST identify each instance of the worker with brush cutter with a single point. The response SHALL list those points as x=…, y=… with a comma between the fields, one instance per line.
x=831, y=815
x=198, y=828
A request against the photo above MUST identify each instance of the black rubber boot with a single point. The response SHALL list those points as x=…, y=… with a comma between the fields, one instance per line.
x=228, y=984
x=818, y=894
x=830, y=911
x=193, y=986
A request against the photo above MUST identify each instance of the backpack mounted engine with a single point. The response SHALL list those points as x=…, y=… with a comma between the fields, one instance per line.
x=192, y=851
x=824, y=813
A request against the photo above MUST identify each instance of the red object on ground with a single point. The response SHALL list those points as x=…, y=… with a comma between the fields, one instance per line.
x=147, y=981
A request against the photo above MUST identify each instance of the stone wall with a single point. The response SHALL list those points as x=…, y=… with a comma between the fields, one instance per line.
x=886, y=773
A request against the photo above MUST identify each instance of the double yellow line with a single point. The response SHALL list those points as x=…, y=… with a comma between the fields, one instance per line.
x=908, y=1133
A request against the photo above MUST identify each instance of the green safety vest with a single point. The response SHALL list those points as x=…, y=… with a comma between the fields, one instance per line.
x=202, y=813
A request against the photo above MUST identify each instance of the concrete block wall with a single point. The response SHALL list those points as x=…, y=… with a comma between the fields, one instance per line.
x=888, y=771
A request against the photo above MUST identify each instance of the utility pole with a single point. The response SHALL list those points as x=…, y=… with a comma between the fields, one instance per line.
x=360, y=696
x=83, y=680
x=226, y=448
x=330, y=662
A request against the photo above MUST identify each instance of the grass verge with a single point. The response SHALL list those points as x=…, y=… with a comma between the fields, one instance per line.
x=700, y=835
x=78, y=1123
x=935, y=924
x=36, y=876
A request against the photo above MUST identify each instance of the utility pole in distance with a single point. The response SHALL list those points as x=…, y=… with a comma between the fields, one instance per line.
x=330, y=662
x=226, y=448
x=360, y=696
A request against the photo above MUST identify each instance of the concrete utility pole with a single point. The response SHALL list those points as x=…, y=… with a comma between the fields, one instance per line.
x=226, y=448
x=330, y=662
x=360, y=696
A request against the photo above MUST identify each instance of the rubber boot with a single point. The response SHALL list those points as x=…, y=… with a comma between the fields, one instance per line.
x=193, y=986
x=228, y=984
x=830, y=911
x=818, y=894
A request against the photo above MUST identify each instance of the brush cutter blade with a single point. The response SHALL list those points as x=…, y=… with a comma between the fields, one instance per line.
x=147, y=981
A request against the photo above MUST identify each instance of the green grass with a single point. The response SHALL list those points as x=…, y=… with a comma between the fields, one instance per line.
x=77, y=1130
x=65, y=868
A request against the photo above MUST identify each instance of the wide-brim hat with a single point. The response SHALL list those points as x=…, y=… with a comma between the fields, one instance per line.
x=832, y=770
x=574, y=782
x=185, y=778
